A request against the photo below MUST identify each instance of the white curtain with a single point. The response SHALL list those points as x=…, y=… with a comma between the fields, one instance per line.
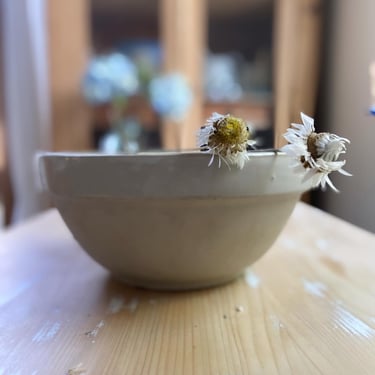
x=27, y=105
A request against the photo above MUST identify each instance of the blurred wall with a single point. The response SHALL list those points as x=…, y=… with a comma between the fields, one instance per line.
x=346, y=92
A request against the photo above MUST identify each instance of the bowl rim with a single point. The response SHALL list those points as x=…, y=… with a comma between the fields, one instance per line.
x=158, y=153
x=166, y=174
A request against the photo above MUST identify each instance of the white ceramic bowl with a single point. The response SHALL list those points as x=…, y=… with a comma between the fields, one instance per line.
x=167, y=220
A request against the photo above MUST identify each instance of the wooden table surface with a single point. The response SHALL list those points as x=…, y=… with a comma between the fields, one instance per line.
x=307, y=307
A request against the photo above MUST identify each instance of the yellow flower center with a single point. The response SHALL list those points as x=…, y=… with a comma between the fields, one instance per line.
x=230, y=133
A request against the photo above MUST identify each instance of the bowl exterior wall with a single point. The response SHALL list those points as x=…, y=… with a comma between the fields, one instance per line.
x=167, y=176
x=174, y=243
x=167, y=220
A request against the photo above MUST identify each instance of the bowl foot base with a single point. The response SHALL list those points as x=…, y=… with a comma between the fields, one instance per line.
x=174, y=285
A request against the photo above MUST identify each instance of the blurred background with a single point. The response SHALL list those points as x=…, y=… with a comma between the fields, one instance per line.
x=135, y=75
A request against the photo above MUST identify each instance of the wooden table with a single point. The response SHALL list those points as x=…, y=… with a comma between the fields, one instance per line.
x=307, y=307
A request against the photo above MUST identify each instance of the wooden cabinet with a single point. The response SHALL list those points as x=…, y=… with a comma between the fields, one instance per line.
x=298, y=26
x=182, y=27
x=69, y=46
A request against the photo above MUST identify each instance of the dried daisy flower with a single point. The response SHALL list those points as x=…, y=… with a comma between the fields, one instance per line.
x=227, y=137
x=315, y=154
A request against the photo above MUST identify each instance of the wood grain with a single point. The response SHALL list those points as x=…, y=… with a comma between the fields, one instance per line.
x=69, y=45
x=298, y=26
x=307, y=307
x=183, y=27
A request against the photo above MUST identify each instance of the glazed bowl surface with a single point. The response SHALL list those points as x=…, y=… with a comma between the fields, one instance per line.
x=166, y=220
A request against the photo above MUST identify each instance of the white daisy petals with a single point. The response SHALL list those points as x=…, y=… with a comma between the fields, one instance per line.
x=315, y=154
x=227, y=137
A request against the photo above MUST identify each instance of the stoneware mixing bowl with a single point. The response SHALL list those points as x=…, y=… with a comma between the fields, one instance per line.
x=167, y=220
